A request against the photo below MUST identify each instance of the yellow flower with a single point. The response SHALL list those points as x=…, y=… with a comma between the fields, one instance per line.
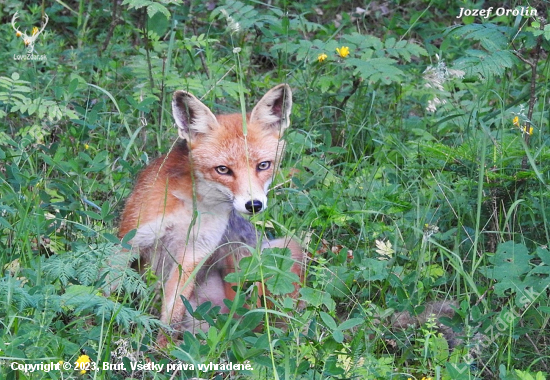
x=82, y=359
x=35, y=30
x=530, y=130
x=322, y=57
x=516, y=121
x=86, y=146
x=343, y=51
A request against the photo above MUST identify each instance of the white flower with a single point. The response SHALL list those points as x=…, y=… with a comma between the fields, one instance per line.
x=233, y=25
x=435, y=77
x=384, y=249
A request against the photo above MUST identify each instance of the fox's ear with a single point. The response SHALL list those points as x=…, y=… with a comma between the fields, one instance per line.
x=191, y=115
x=273, y=110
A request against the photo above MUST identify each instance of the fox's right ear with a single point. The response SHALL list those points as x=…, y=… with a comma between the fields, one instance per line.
x=191, y=115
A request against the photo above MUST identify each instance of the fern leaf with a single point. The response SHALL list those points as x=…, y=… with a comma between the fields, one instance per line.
x=376, y=69
x=13, y=293
x=494, y=59
x=58, y=267
x=154, y=8
x=486, y=64
x=490, y=36
x=83, y=301
x=364, y=42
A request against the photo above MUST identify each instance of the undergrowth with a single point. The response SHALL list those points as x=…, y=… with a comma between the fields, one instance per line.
x=416, y=174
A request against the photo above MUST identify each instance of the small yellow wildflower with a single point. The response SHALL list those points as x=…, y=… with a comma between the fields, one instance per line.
x=530, y=130
x=35, y=30
x=81, y=363
x=322, y=57
x=343, y=51
x=516, y=121
x=86, y=146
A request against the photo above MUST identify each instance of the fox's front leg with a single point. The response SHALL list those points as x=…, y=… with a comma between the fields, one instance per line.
x=178, y=284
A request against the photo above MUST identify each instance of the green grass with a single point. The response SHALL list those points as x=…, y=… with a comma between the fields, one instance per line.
x=400, y=199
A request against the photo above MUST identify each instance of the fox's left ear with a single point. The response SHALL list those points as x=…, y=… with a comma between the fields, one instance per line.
x=273, y=110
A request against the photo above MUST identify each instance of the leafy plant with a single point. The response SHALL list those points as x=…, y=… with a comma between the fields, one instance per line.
x=416, y=169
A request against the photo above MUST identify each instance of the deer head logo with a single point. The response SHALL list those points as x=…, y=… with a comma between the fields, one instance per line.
x=29, y=40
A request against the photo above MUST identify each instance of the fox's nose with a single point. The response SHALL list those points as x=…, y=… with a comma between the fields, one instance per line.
x=254, y=206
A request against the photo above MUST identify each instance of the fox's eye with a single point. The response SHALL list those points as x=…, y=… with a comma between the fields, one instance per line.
x=223, y=170
x=264, y=165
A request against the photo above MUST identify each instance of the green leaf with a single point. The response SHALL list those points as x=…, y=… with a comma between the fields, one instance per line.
x=338, y=336
x=105, y=210
x=486, y=64
x=316, y=298
x=329, y=321
x=153, y=8
x=277, y=263
x=364, y=42
x=511, y=263
x=376, y=69
x=544, y=255
x=374, y=270
x=350, y=323
x=492, y=37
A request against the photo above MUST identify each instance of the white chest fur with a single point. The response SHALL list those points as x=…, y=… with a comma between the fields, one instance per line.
x=181, y=236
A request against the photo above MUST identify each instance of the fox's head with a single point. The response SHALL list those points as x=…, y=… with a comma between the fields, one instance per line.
x=234, y=160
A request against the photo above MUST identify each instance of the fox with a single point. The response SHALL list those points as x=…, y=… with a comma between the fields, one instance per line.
x=187, y=206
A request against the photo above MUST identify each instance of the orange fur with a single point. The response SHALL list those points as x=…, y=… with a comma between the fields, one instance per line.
x=183, y=206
